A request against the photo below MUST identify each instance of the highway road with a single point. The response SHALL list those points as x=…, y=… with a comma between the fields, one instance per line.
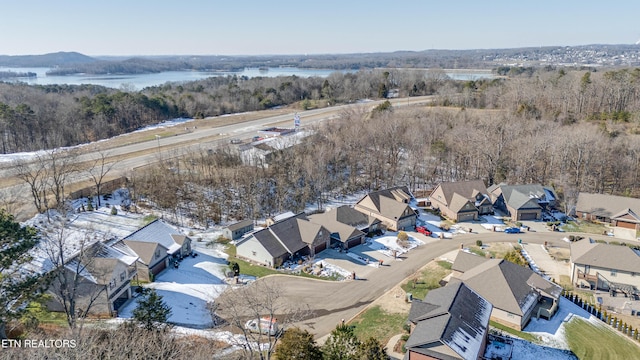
x=130, y=156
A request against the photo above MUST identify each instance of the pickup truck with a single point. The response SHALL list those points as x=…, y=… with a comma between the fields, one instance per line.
x=423, y=230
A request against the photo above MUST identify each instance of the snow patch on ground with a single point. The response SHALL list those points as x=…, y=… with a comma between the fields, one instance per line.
x=387, y=243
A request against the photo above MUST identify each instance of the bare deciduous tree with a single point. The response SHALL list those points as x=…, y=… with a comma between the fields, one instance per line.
x=261, y=299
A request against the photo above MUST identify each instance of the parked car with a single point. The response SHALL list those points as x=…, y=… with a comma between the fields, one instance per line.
x=512, y=230
x=423, y=230
x=236, y=141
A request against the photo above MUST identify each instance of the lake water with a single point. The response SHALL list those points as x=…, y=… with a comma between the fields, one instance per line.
x=140, y=81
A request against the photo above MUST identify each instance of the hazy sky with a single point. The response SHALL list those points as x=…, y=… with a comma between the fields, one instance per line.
x=247, y=27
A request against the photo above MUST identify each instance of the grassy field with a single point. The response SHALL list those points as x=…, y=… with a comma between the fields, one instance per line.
x=598, y=342
x=427, y=279
x=377, y=323
x=584, y=226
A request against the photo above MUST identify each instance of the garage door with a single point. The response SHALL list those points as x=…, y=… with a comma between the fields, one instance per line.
x=320, y=248
x=528, y=216
x=354, y=242
x=466, y=216
x=161, y=266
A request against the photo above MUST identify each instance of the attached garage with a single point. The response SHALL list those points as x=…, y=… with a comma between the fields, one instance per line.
x=159, y=267
x=320, y=248
x=470, y=216
x=528, y=215
x=354, y=242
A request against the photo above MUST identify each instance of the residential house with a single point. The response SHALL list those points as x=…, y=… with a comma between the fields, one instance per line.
x=289, y=238
x=462, y=200
x=619, y=211
x=522, y=202
x=155, y=245
x=516, y=292
x=348, y=227
x=236, y=230
x=391, y=207
x=279, y=217
x=599, y=266
x=104, y=282
x=452, y=322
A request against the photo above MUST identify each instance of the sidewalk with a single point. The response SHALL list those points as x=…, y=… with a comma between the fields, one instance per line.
x=392, y=342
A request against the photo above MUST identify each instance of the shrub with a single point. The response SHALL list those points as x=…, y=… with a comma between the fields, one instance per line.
x=479, y=243
x=114, y=211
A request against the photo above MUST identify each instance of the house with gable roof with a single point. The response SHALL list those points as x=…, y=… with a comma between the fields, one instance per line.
x=293, y=236
x=105, y=280
x=236, y=230
x=607, y=267
x=462, y=200
x=522, y=202
x=391, y=207
x=452, y=322
x=621, y=212
x=348, y=226
x=155, y=245
x=517, y=293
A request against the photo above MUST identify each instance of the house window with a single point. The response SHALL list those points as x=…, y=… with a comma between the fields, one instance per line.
x=112, y=284
x=614, y=272
x=253, y=253
x=157, y=253
x=123, y=275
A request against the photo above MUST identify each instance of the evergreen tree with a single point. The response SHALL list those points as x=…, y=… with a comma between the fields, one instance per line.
x=342, y=344
x=298, y=344
x=371, y=349
x=152, y=312
x=17, y=286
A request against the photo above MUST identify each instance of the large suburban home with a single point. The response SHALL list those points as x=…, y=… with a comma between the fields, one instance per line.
x=607, y=267
x=452, y=322
x=619, y=211
x=348, y=227
x=236, y=230
x=294, y=236
x=104, y=282
x=522, y=202
x=391, y=207
x=462, y=200
x=155, y=245
x=517, y=293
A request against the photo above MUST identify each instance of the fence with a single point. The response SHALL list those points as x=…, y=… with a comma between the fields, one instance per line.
x=605, y=317
x=105, y=188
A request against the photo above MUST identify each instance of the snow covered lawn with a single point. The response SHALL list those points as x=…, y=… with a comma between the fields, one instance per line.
x=387, y=243
x=188, y=289
x=432, y=222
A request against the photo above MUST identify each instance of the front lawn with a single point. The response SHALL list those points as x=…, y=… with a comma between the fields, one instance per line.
x=584, y=227
x=589, y=341
x=379, y=324
x=427, y=279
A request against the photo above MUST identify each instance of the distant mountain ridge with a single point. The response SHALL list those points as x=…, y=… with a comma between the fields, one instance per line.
x=596, y=55
x=46, y=60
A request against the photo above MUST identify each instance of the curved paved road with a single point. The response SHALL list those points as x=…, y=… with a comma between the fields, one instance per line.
x=333, y=301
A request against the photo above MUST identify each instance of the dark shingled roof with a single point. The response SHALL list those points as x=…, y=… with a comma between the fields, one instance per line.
x=269, y=242
x=454, y=316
